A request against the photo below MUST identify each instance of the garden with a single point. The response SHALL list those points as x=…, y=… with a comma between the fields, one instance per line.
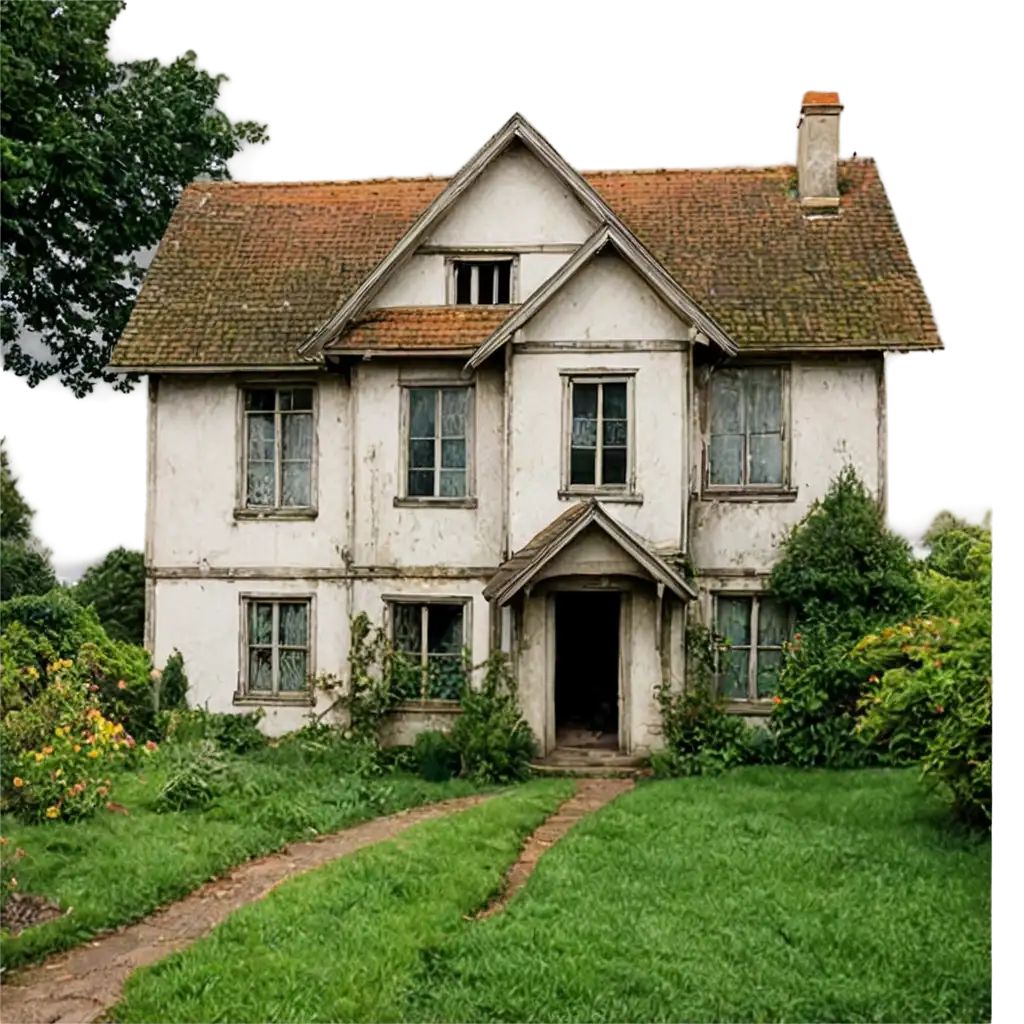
x=832, y=866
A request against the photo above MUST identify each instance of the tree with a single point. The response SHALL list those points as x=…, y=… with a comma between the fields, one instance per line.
x=24, y=570
x=15, y=512
x=93, y=158
x=116, y=588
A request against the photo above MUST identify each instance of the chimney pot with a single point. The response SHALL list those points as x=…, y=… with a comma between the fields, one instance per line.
x=818, y=152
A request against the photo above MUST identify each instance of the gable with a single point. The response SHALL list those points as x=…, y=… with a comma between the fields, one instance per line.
x=516, y=201
x=607, y=300
x=592, y=553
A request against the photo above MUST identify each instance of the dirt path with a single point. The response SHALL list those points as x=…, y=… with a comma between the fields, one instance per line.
x=590, y=795
x=78, y=986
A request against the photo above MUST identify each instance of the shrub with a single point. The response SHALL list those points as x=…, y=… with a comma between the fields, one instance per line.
x=491, y=736
x=197, y=775
x=25, y=570
x=237, y=734
x=435, y=756
x=172, y=684
x=116, y=588
x=930, y=693
x=8, y=866
x=845, y=574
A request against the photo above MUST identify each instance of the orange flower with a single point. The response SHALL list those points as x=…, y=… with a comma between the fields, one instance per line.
x=939, y=709
x=873, y=679
x=18, y=783
x=121, y=684
x=938, y=664
x=47, y=750
x=776, y=700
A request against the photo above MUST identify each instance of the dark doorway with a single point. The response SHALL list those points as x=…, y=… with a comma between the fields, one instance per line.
x=587, y=670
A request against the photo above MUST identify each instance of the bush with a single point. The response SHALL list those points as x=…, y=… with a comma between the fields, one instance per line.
x=845, y=574
x=172, y=684
x=435, y=756
x=930, y=693
x=491, y=736
x=8, y=865
x=198, y=774
x=116, y=588
x=236, y=734
x=25, y=571
x=700, y=737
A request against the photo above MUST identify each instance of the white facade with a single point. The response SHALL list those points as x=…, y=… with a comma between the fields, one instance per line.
x=366, y=545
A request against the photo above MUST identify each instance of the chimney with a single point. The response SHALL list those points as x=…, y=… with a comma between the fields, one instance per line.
x=818, y=152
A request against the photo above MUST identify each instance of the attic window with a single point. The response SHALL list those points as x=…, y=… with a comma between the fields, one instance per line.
x=482, y=282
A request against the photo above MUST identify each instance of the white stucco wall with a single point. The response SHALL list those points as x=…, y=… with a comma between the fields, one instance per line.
x=835, y=420
x=420, y=281
x=198, y=450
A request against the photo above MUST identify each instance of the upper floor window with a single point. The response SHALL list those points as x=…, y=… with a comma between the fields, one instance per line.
x=598, y=447
x=437, y=442
x=278, y=453
x=746, y=444
x=482, y=282
x=754, y=629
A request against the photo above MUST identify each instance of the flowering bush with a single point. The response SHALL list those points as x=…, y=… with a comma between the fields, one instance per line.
x=8, y=867
x=929, y=697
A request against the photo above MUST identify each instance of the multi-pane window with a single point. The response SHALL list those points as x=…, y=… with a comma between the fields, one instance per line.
x=279, y=447
x=277, y=647
x=482, y=282
x=599, y=442
x=754, y=630
x=438, y=453
x=745, y=446
x=429, y=639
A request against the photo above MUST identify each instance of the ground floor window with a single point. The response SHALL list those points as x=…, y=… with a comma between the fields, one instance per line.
x=430, y=640
x=753, y=630
x=277, y=647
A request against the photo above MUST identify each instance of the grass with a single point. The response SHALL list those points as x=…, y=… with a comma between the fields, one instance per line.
x=343, y=942
x=114, y=869
x=767, y=894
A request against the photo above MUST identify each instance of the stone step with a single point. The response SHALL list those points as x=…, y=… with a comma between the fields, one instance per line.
x=584, y=771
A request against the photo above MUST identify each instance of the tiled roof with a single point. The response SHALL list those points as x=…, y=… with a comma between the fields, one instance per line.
x=404, y=328
x=246, y=272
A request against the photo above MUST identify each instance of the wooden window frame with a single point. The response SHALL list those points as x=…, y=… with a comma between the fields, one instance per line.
x=403, y=498
x=277, y=511
x=626, y=492
x=752, y=700
x=783, y=491
x=451, y=262
x=425, y=601
x=243, y=695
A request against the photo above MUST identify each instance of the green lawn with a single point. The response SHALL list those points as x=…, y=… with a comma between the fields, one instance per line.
x=767, y=894
x=113, y=868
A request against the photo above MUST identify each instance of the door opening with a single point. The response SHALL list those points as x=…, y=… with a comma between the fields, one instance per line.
x=587, y=669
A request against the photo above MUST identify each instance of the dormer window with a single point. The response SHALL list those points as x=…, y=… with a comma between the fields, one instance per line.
x=481, y=282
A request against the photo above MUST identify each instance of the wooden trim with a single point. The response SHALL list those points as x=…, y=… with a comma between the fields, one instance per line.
x=883, y=441
x=152, y=409
x=355, y=572
x=497, y=251
x=242, y=694
x=506, y=454
x=597, y=345
x=476, y=254
x=433, y=502
x=605, y=495
x=752, y=494
x=403, y=499
x=732, y=571
x=430, y=706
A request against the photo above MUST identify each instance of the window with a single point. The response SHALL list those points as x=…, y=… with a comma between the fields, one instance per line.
x=278, y=456
x=277, y=648
x=438, y=449
x=747, y=433
x=748, y=668
x=599, y=433
x=430, y=639
x=482, y=282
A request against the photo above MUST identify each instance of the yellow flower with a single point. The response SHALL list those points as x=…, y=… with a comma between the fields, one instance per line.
x=18, y=782
x=78, y=747
x=52, y=812
x=93, y=753
x=39, y=757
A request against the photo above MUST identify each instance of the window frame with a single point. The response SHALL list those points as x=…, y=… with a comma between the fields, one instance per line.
x=752, y=700
x=276, y=511
x=438, y=384
x=425, y=601
x=782, y=491
x=451, y=292
x=626, y=492
x=243, y=694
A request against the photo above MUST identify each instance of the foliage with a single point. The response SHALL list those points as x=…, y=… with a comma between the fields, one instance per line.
x=435, y=756
x=700, y=737
x=171, y=684
x=234, y=733
x=957, y=548
x=116, y=588
x=198, y=774
x=93, y=156
x=930, y=698
x=15, y=512
x=8, y=865
x=55, y=627
x=845, y=574
x=491, y=736
x=59, y=751
x=25, y=570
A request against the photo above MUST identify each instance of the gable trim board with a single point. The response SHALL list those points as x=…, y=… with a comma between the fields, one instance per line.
x=637, y=258
x=517, y=572
x=516, y=128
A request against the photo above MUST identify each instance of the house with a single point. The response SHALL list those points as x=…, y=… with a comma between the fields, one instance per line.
x=557, y=413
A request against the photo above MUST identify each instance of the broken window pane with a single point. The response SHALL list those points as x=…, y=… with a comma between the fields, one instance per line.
x=444, y=628
x=407, y=630
x=260, y=669
x=293, y=671
x=259, y=400
x=445, y=677
x=493, y=282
